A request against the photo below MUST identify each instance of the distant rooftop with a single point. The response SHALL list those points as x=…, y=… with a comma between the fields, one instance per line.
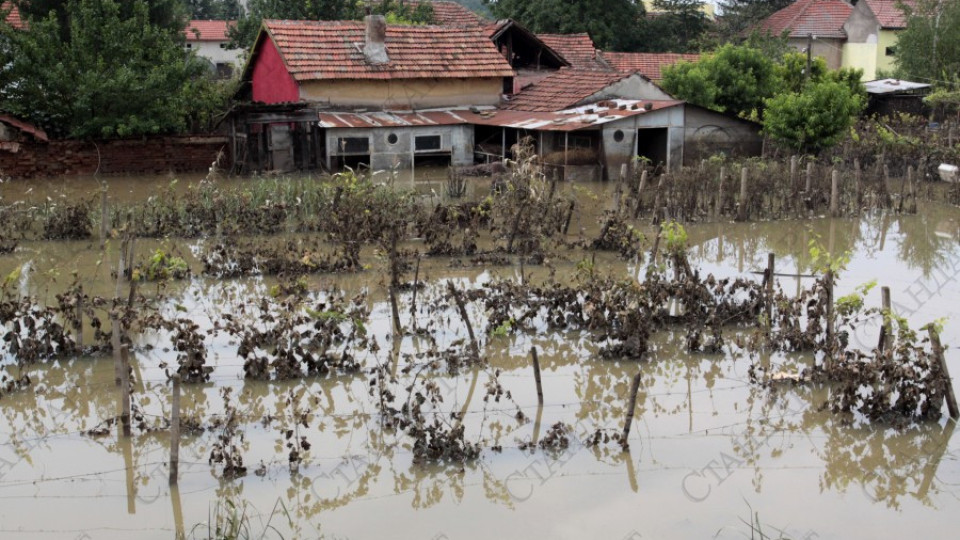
x=821, y=18
x=648, y=64
x=208, y=30
x=893, y=86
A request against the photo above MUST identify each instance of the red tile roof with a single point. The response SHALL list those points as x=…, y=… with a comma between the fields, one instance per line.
x=451, y=13
x=648, y=64
x=24, y=126
x=562, y=90
x=13, y=17
x=822, y=18
x=888, y=13
x=578, y=49
x=314, y=50
x=208, y=30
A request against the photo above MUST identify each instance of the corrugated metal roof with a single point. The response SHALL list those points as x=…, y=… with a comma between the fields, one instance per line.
x=584, y=117
x=892, y=86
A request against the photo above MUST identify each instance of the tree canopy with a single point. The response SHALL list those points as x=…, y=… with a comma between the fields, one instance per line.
x=227, y=10
x=678, y=26
x=613, y=24
x=733, y=79
x=117, y=69
x=248, y=24
x=928, y=49
x=815, y=118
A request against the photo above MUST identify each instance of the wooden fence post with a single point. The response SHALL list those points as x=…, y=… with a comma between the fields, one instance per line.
x=103, y=216
x=771, y=268
x=835, y=193
x=947, y=381
x=175, y=432
x=742, y=213
x=124, y=391
x=885, y=330
x=643, y=185
x=466, y=319
x=536, y=375
x=631, y=405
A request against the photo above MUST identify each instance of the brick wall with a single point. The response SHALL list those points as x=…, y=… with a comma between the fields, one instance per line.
x=142, y=156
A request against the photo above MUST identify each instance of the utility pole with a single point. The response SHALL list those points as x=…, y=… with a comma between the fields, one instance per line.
x=806, y=74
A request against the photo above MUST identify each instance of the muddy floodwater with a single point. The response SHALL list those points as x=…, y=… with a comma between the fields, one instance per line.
x=710, y=452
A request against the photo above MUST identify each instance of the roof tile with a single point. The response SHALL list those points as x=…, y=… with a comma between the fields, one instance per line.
x=208, y=30
x=578, y=49
x=822, y=18
x=13, y=16
x=315, y=50
x=648, y=64
x=562, y=90
x=888, y=13
x=451, y=13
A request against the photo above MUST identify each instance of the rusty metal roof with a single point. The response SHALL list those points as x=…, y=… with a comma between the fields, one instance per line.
x=586, y=117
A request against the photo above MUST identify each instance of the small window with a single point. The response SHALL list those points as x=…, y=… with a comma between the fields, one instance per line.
x=618, y=135
x=427, y=143
x=392, y=138
x=891, y=51
x=223, y=45
x=189, y=45
x=353, y=145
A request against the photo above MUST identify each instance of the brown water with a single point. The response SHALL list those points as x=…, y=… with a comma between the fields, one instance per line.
x=708, y=450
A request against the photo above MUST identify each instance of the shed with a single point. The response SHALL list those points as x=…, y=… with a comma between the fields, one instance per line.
x=891, y=96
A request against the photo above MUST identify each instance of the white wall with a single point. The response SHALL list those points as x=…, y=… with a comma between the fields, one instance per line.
x=211, y=50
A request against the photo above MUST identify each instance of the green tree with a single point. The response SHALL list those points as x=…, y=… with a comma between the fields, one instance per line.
x=113, y=72
x=613, y=24
x=678, y=26
x=248, y=24
x=227, y=10
x=928, y=49
x=817, y=117
x=733, y=79
x=738, y=16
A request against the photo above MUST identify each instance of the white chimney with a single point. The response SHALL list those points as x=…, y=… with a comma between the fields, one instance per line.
x=375, y=47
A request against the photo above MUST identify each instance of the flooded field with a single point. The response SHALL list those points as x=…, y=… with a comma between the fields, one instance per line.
x=714, y=451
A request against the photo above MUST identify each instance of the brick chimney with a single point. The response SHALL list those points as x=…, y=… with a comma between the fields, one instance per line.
x=375, y=47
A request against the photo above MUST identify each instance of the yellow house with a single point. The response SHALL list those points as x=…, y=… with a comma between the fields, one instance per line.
x=872, y=36
x=858, y=34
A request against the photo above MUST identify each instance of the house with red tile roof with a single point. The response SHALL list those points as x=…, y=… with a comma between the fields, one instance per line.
x=650, y=65
x=346, y=93
x=578, y=49
x=13, y=15
x=447, y=13
x=211, y=40
x=846, y=33
x=372, y=67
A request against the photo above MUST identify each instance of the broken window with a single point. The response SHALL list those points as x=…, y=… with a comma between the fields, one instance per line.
x=353, y=145
x=427, y=143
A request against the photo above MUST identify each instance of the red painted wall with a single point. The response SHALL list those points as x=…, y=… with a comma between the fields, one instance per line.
x=272, y=83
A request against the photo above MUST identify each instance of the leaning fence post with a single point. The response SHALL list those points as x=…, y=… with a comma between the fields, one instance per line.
x=466, y=319
x=175, y=431
x=643, y=185
x=536, y=375
x=631, y=405
x=947, y=381
x=742, y=213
